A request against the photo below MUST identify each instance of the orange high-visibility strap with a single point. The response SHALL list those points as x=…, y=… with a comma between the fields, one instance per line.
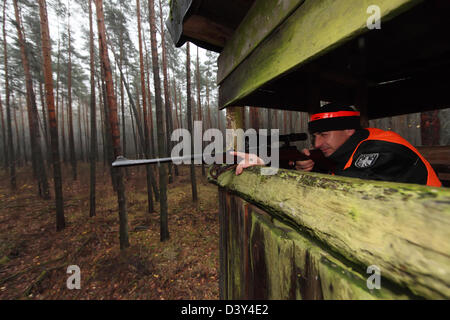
x=390, y=136
x=336, y=114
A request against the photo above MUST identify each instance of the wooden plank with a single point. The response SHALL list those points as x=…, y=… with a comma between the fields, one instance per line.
x=312, y=30
x=206, y=30
x=262, y=18
x=275, y=261
x=297, y=268
x=436, y=154
x=402, y=228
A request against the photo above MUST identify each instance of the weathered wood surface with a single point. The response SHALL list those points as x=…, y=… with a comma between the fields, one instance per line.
x=206, y=30
x=404, y=229
x=262, y=258
x=262, y=18
x=436, y=154
x=312, y=30
x=439, y=158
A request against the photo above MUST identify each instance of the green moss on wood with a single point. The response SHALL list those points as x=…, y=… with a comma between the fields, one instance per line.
x=298, y=269
x=314, y=29
x=402, y=228
x=262, y=18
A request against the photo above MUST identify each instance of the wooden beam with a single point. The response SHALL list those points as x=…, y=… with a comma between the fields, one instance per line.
x=235, y=121
x=401, y=228
x=205, y=30
x=264, y=258
x=263, y=17
x=312, y=30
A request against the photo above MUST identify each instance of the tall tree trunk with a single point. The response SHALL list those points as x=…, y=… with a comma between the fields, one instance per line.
x=93, y=147
x=63, y=130
x=5, y=143
x=167, y=103
x=122, y=101
x=199, y=102
x=139, y=126
x=73, y=159
x=44, y=122
x=181, y=107
x=44, y=191
x=144, y=108
x=16, y=125
x=87, y=131
x=48, y=75
x=164, y=226
x=22, y=122
x=173, y=122
x=175, y=100
x=9, y=149
x=113, y=120
x=80, y=132
x=135, y=138
x=150, y=119
x=57, y=113
x=150, y=108
x=102, y=120
x=109, y=156
x=189, y=118
x=208, y=107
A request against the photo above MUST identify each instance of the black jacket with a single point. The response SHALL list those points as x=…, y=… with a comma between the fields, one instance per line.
x=379, y=160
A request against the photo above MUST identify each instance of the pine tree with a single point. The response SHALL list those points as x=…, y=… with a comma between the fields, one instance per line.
x=48, y=76
x=164, y=228
x=113, y=120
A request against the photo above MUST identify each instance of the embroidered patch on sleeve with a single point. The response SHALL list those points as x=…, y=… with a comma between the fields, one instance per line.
x=366, y=160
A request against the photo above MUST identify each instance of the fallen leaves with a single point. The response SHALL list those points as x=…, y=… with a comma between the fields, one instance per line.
x=183, y=268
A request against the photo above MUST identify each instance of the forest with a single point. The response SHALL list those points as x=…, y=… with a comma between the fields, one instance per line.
x=83, y=82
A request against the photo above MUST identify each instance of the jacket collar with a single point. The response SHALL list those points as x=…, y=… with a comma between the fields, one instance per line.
x=341, y=155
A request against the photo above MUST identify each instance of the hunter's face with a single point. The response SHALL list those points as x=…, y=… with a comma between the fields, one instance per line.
x=329, y=141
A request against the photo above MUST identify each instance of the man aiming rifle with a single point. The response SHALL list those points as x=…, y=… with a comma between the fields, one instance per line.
x=366, y=153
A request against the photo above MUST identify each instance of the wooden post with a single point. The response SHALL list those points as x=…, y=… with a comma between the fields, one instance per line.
x=235, y=117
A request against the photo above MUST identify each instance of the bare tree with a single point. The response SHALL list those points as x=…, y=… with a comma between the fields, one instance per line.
x=73, y=159
x=144, y=109
x=35, y=137
x=189, y=117
x=164, y=227
x=93, y=147
x=48, y=77
x=114, y=124
x=167, y=102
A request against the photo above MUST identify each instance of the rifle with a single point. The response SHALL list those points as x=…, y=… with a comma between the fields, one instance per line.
x=287, y=154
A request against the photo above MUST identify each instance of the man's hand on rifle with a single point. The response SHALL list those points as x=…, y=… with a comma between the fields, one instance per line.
x=306, y=165
x=249, y=160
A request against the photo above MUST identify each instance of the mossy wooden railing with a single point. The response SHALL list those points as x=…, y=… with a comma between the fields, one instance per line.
x=299, y=235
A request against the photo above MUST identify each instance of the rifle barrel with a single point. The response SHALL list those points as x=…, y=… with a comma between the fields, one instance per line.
x=124, y=162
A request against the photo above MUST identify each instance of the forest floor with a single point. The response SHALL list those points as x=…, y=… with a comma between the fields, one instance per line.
x=34, y=257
